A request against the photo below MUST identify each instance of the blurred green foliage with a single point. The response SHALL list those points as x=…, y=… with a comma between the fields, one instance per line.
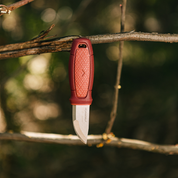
x=37, y=97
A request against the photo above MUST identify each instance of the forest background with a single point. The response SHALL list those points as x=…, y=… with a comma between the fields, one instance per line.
x=36, y=99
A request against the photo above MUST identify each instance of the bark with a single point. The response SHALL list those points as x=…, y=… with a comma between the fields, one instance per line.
x=64, y=43
x=92, y=140
x=14, y=6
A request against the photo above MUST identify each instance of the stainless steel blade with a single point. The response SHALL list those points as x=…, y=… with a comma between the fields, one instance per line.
x=80, y=116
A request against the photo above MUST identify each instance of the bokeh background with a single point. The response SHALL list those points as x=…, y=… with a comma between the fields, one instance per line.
x=36, y=95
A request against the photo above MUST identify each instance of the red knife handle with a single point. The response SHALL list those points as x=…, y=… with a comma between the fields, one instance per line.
x=81, y=72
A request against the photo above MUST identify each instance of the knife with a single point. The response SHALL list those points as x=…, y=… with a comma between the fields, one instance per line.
x=81, y=74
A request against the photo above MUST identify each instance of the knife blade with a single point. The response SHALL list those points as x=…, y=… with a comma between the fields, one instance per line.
x=81, y=74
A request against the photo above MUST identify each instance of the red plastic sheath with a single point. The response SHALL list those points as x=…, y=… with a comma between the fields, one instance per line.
x=81, y=72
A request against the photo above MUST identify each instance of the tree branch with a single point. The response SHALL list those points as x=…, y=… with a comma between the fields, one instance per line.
x=42, y=34
x=64, y=43
x=119, y=69
x=92, y=140
x=14, y=6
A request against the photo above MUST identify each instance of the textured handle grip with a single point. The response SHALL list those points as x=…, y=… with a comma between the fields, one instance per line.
x=81, y=72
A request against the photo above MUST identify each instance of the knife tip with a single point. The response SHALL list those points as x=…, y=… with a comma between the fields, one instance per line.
x=78, y=131
x=84, y=141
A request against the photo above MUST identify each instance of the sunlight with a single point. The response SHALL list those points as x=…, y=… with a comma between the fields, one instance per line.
x=10, y=22
x=48, y=15
x=33, y=82
x=65, y=13
x=152, y=24
x=112, y=53
x=38, y=65
x=44, y=111
x=2, y=121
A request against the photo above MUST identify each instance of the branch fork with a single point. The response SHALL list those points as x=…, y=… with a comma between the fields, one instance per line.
x=4, y=9
x=7, y=9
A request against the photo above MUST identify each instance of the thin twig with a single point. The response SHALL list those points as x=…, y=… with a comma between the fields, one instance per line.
x=92, y=140
x=16, y=5
x=119, y=69
x=42, y=34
